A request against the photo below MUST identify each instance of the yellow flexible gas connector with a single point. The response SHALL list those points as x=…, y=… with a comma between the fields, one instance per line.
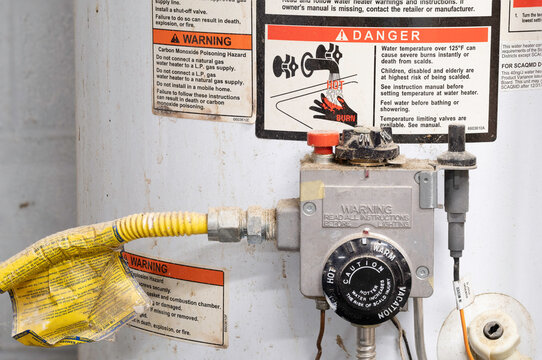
x=161, y=224
x=77, y=283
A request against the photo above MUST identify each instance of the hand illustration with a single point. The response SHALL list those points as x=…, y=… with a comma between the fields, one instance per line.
x=334, y=112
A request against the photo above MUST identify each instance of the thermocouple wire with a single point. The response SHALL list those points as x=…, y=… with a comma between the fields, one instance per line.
x=321, y=334
x=462, y=314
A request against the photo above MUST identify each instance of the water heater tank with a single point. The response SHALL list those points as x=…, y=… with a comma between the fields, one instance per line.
x=130, y=160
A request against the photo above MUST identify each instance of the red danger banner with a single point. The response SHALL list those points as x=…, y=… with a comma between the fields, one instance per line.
x=379, y=35
x=175, y=271
x=527, y=3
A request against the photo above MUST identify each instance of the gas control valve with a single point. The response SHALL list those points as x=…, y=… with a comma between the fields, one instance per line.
x=356, y=210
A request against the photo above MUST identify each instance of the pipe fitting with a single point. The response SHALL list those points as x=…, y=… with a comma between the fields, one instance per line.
x=260, y=225
x=322, y=304
x=225, y=224
x=366, y=343
x=231, y=224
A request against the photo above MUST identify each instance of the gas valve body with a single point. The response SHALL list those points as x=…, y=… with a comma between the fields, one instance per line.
x=366, y=235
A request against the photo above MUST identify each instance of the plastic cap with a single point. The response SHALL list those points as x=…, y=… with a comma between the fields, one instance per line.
x=323, y=141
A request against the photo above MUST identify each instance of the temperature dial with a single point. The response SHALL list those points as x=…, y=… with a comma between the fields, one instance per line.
x=366, y=281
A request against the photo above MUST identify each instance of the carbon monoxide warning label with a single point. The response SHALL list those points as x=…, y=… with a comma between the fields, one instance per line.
x=202, y=59
x=189, y=302
x=337, y=64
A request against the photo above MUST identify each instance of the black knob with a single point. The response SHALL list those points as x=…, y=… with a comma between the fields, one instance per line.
x=456, y=138
x=366, y=145
x=366, y=281
x=456, y=156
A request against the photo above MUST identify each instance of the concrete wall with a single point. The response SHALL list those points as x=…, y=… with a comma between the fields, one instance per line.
x=37, y=138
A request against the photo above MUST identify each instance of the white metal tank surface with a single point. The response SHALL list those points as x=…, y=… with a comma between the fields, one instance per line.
x=130, y=160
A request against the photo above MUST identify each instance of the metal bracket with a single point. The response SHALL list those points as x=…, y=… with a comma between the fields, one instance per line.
x=428, y=181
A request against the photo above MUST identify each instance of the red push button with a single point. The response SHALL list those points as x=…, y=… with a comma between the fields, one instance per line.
x=323, y=141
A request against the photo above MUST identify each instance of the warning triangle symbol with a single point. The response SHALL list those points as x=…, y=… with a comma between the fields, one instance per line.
x=342, y=36
x=175, y=39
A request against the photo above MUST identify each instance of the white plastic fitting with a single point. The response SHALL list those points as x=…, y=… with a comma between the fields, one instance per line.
x=501, y=348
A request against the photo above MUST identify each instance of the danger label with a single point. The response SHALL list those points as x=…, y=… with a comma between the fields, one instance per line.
x=202, y=58
x=415, y=79
x=422, y=79
x=189, y=303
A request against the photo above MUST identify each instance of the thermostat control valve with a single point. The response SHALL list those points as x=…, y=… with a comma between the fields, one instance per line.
x=367, y=280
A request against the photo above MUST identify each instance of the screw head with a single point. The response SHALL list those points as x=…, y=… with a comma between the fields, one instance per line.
x=493, y=330
x=309, y=208
x=422, y=272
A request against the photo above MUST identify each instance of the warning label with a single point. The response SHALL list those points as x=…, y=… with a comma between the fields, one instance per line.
x=381, y=8
x=189, y=303
x=329, y=73
x=203, y=60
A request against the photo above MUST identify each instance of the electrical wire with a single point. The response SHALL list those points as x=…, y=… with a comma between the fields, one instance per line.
x=397, y=324
x=402, y=338
x=456, y=269
x=465, y=337
x=462, y=314
x=409, y=353
x=321, y=334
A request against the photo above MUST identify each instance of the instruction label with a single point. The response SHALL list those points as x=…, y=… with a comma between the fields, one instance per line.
x=521, y=48
x=328, y=72
x=464, y=295
x=203, y=59
x=189, y=303
x=521, y=65
x=525, y=15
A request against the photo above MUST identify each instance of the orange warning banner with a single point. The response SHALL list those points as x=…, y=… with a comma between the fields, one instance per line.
x=201, y=39
x=527, y=3
x=379, y=35
x=175, y=271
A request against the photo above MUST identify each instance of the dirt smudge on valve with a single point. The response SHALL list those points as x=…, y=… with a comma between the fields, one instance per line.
x=340, y=343
x=250, y=249
x=26, y=204
x=284, y=275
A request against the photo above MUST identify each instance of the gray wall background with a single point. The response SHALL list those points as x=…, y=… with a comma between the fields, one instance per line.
x=37, y=138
